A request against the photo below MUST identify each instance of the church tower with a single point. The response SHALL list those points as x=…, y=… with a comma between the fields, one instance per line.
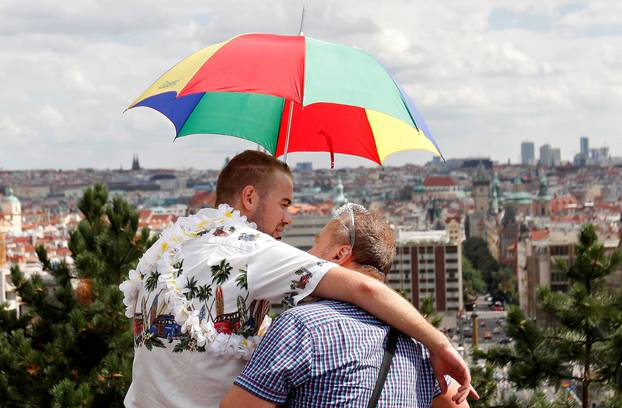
x=481, y=190
x=135, y=163
x=11, y=212
x=543, y=200
x=339, y=198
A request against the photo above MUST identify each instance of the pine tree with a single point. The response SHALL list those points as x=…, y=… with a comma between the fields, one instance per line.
x=581, y=338
x=428, y=311
x=73, y=346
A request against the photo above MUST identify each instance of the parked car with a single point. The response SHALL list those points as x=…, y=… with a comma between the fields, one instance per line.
x=496, y=330
x=496, y=306
x=505, y=340
x=487, y=335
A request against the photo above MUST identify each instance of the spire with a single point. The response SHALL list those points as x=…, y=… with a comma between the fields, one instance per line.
x=135, y=162
x=339, y=198
x=480, y=176
x=494, y=201
x=543, y=191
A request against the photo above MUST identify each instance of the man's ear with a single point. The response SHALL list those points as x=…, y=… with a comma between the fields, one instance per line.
x=249, y=198
x=343, y=255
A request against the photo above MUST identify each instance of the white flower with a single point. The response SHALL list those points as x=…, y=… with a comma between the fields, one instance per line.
x=165, y=253
x=131, y=288
x=181, y=315
x=218, y=344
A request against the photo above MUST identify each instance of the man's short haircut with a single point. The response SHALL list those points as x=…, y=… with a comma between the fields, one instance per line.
x=374, y=245
x=250, y=167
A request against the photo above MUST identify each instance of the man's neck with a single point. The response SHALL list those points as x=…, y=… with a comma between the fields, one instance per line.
x=365, y=270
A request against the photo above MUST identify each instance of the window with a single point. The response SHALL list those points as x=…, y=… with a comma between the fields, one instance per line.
x=558, y=276
x=560, y=250
x=451, y=250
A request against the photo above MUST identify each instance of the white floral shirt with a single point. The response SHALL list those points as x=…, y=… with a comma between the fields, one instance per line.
x=199, y=298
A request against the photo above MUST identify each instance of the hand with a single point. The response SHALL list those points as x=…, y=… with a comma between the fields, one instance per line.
x=445, y=360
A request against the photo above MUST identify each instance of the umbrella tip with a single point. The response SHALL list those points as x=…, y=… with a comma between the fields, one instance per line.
x=302, y=20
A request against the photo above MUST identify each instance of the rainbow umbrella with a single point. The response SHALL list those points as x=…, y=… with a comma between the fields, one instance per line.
x=290, y=94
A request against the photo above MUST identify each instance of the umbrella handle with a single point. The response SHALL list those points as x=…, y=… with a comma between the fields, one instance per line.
x=289, y=128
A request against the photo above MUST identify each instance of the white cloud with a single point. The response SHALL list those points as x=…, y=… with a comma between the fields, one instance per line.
x=478, y=71
x=50, y=117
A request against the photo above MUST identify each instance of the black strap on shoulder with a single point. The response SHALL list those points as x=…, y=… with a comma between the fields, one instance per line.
x=389, y=352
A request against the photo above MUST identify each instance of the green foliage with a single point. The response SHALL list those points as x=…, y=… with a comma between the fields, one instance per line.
x=472, y=281
x=503, y=286
x=428, y=311
x=483, y=382
x=73, y=347
x=580, y=338
x=499, y=280
x=476, y=251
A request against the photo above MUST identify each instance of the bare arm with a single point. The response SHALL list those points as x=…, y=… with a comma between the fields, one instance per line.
x=239, y=397
x=387, y=305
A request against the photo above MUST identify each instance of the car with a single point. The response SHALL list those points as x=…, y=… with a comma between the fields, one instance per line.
x=496, y=330
x=505, y=340
x=166, y=327
x=498, y=308
x=482, y=323
x=468, y=333
x=487, y=335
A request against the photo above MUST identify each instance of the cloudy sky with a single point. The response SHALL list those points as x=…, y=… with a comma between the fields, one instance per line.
x=485, y=74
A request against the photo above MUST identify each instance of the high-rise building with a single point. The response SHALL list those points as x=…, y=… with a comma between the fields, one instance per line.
x=527, y=153
x=428, y=264
x=546, y=155
x=304, y=166
x=585, y=147
x=556, y=157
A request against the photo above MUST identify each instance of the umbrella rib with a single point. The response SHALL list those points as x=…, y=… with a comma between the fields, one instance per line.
x=289, y=128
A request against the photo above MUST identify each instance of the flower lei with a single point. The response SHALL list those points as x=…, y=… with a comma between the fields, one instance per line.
x=163, y=256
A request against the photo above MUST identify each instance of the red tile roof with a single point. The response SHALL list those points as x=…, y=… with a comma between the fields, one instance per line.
x=439, y=181
x=203, y=199
x=539, y=235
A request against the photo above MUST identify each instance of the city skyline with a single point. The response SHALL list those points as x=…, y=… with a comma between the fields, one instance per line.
x=479, y=73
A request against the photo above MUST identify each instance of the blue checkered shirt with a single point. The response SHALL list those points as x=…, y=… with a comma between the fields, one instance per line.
x=328, y=354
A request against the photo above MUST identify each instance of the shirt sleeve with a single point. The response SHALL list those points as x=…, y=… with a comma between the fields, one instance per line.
x=281, y=362
x=282, y=273
x=428, y=373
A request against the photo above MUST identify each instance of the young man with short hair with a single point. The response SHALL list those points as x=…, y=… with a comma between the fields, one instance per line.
x=200, y=294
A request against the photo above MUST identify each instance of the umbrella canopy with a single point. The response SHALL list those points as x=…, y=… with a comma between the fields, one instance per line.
x=290, y=94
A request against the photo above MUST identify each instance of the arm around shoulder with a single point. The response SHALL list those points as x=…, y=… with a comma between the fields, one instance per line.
x=381, y=301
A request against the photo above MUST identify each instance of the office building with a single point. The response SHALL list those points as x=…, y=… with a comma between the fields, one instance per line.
x=585, y=147
x=527, y=153
x=428, y=264
x=546, y=155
